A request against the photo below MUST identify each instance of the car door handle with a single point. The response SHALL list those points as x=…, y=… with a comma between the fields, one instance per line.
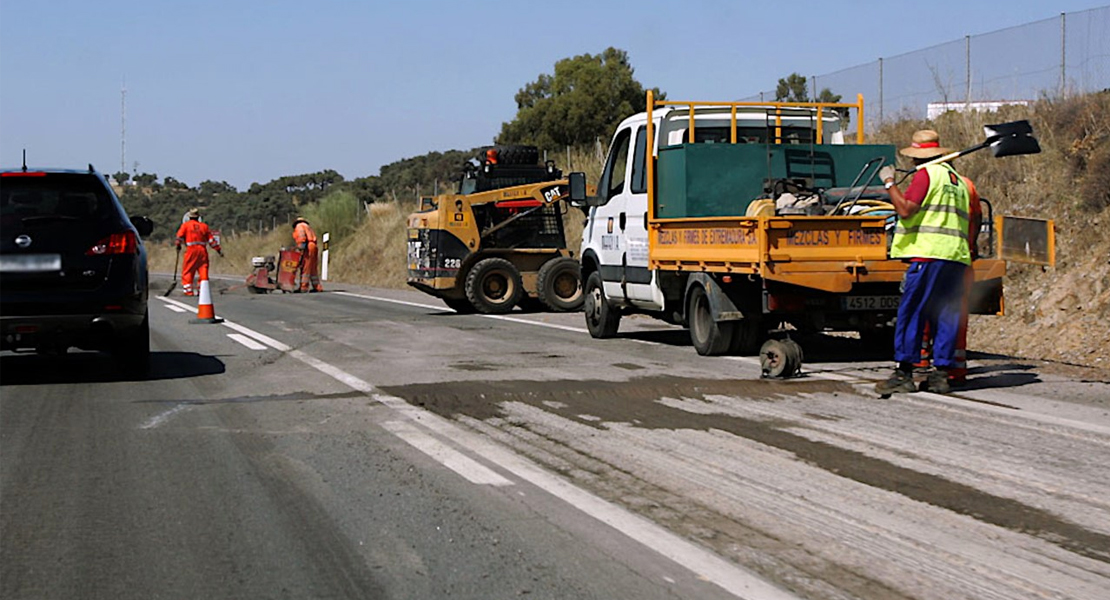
x=624, y=220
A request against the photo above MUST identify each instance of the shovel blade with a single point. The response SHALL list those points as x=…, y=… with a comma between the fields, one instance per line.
x=1011, y=139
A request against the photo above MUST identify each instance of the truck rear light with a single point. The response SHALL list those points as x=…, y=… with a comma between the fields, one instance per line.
x=117, y=243
x=786, y=303
x=24, y=174
x=25, y=329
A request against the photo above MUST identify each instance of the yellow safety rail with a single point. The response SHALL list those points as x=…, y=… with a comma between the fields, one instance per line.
x=818, y=108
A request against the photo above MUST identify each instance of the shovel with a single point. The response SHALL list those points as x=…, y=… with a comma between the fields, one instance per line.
x=1005, y=139
x=173, y=284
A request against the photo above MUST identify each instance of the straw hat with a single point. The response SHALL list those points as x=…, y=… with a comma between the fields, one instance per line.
x=300, y=220
x=926, y=144
x=193, y=213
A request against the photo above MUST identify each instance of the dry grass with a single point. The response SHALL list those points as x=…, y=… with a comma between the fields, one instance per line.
x=1058, y=313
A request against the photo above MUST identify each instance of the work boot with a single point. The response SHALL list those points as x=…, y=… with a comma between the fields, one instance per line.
x=900, y=381
x=937, y=382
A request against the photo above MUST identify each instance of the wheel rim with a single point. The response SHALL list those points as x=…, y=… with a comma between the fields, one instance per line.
x=565, y=286
x=496, y=287
x=593, y=305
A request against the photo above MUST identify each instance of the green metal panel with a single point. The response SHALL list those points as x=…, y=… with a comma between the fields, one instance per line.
x=719, y=180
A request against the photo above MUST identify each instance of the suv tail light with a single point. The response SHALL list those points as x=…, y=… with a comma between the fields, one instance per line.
x=117, y=243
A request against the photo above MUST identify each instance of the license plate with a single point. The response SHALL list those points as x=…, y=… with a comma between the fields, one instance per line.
x=871, y=302
x=30, y=263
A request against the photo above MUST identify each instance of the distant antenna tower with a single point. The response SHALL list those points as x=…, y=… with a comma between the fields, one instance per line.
x=123, y=128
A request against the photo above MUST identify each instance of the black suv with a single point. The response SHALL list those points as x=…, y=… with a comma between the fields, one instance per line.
x=72, y=267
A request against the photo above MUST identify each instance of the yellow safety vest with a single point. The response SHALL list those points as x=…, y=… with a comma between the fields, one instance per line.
x=940, y=228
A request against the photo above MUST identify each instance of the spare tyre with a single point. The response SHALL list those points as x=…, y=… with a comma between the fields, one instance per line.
x=517, y=155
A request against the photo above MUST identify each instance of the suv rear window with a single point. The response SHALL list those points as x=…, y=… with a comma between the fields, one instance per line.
x=54, y=195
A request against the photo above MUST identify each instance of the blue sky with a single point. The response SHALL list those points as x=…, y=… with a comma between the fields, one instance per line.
x=247, y=91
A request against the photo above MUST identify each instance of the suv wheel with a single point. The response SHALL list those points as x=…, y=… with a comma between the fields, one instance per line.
x=132, y=351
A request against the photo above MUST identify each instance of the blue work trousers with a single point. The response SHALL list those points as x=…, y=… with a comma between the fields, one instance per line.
x=932, y=294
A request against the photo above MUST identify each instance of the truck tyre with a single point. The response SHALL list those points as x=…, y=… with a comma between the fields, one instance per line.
x=559, y=284
x=746, y=337
x=493, y=286
x=710, y=337
x=517, y=155
x=602, y=319
x=878, y=341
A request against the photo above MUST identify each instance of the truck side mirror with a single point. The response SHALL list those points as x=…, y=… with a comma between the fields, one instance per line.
x=578, y=196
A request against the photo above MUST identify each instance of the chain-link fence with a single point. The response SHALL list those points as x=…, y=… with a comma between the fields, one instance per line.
x=1049, y=58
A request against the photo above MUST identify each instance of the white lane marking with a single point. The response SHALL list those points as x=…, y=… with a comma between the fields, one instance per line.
x=445, y=309
x=391, y=300
x=157, y=420
x=445, y=455
x=732, y=578
x=176, y=309
x=246, y=341
x=269, y=341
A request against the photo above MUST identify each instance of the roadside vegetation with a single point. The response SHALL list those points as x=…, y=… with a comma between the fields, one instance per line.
x=1058, y=314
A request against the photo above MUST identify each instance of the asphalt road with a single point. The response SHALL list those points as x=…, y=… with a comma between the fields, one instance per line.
x=368, y=443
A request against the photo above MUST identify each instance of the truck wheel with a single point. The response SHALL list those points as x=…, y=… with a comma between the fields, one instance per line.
x=493, y=286
x=459, y=305
x=602, y=319
x=878, y=341
x=559, y=284
x=710, y=338
x=746, y=337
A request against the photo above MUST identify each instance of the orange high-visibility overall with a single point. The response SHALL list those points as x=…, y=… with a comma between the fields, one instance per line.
x=196, y=237
x=305, y=239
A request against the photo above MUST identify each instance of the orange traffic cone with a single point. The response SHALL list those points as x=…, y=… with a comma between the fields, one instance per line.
x=205, y=312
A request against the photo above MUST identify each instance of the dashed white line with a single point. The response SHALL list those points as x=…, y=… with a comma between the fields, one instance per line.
x=708, y=566
x=445, y=455
x=246, y=341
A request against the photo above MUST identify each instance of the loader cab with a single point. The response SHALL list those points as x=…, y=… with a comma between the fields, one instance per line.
x=505, y=166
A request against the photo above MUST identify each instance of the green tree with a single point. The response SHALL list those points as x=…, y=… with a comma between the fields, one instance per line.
x=584, y=99
x=792, y=88
x=146, y=179
x=121, y=177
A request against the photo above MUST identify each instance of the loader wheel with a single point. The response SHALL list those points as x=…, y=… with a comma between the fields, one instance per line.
x=602, y=319
x=559, y=284
x=710, y=338
x=493, y=286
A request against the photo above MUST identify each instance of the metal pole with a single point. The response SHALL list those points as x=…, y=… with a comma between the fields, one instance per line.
x=1063, y=55
x=814, y=88
x=880, y=90
x=967, y=61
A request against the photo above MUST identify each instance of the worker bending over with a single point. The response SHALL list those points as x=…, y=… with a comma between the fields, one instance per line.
x=196, y=237
x=309, y=265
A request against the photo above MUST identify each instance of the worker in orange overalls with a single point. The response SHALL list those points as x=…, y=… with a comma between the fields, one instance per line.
x=957, y=375
x=197, y=237
x=305, y=238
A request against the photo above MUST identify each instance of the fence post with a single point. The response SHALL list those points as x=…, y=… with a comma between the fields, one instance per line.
x=1063, y=55
x=880, y=91
x=967, y=62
